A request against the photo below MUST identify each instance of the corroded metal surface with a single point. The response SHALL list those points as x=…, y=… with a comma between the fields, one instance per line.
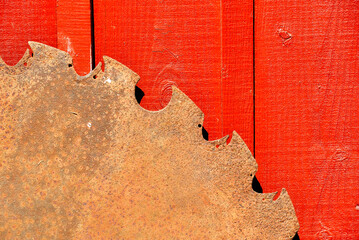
x=80, y=159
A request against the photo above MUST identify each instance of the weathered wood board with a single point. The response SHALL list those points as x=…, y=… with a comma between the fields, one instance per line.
x=307, y=110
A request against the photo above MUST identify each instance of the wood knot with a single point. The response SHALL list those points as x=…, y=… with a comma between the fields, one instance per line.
x=284, y=35
x=340, y=155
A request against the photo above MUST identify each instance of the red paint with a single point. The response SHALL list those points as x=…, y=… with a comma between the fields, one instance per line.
x=74, y=32
x=22, y=21
x=205, y=48
x=237, y=69
x=64, y=24
x=307, y=121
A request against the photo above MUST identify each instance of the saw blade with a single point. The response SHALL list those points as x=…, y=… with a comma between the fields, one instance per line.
x=81, y=159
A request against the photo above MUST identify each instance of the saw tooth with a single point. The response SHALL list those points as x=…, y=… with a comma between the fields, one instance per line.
x=182, y=101
x=242, y=151
x=119, y=74
x=283, y=195
x=236, y=140
x=49, y=55
x=189, y=116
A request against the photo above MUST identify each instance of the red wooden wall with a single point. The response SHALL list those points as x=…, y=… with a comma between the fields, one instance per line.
x=307, y=110
x=297, y=109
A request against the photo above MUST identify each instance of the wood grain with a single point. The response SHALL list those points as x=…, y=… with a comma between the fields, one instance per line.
x=307, y=121
x=205, y=48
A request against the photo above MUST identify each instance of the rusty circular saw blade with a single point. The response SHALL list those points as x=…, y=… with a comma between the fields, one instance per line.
x=81, y=159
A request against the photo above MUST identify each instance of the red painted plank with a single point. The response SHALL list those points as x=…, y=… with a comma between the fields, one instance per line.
x=22, y=21
x=237, y=69
x=184, y=43
x=307, y=121
x=74, y=32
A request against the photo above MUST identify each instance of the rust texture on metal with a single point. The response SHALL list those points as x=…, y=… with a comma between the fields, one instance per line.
x=81, y=159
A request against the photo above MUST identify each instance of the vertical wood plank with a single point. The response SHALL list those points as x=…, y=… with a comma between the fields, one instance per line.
x=237, y=69
x=74, y=32
x=183, y=43
x=22, y=21
x=307, y=121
